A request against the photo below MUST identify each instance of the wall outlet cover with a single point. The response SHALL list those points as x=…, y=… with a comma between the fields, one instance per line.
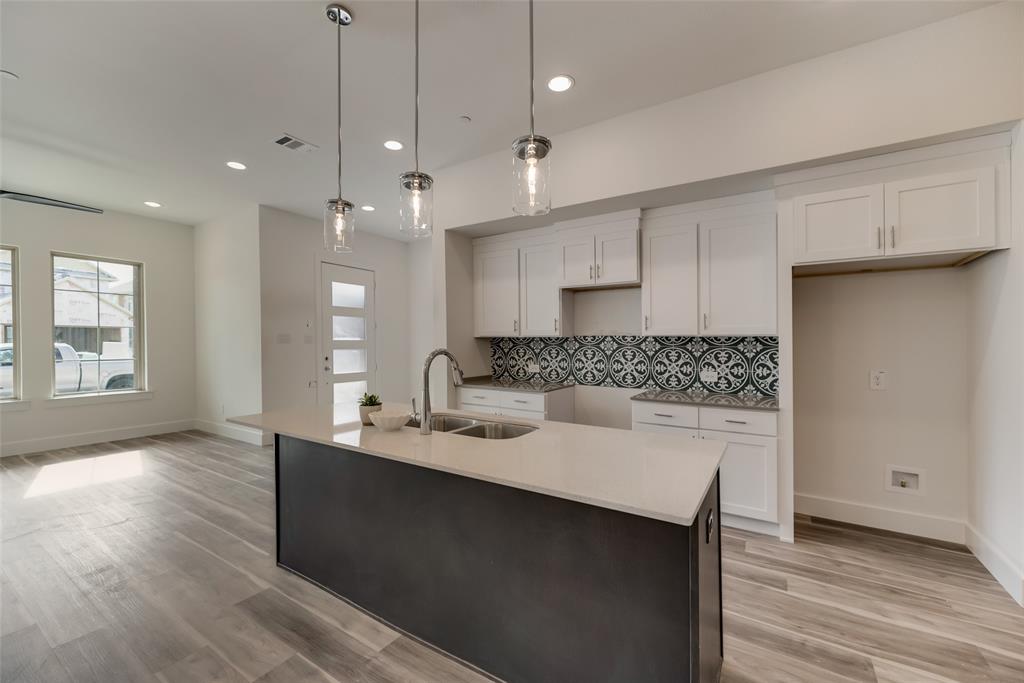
x=878, y=380
x=533, y=367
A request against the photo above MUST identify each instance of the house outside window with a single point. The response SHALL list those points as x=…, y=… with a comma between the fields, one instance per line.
x=9, y=370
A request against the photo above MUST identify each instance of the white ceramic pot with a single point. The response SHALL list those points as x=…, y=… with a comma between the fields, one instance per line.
x=364, y=413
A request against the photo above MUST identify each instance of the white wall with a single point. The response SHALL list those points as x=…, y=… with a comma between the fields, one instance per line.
x=421, y=311
x=165, y=250
x=996, y=341
x=227, y=313
x=607, y=311
x=291, y=250
x=914, y=326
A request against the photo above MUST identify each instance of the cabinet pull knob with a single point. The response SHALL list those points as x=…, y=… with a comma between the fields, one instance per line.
x=737, y=422
x=879, y=229
x=892, y=236
x=663, y=415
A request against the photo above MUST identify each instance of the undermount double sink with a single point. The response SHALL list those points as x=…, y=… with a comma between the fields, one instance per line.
x=468, y=426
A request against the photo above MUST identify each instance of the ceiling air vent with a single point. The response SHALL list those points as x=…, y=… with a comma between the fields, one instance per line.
x=292, y=142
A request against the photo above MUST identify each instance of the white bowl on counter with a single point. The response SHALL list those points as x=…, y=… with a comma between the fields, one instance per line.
x=389, y=421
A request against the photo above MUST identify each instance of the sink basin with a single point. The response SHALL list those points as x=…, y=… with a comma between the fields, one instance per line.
x=496, y=430
x=445, y=423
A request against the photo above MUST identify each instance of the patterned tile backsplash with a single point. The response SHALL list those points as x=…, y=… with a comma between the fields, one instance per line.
x=727, y=365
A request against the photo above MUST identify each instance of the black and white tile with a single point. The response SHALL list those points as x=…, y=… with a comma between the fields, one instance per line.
x=746, y=366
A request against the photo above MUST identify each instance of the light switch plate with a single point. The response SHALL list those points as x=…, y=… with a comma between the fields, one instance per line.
x=878, y=381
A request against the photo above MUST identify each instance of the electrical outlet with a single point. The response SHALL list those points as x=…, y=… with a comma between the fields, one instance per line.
x=878, y=381
x=533, y=367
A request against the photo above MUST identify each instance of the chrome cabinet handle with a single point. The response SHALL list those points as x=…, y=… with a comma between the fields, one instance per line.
x=705, y=321
x=556, y=324
x=709, y=526
x=515, y=325
x=591, y=271
x=663, y=415
x=879, y=230
x=647, y=323
x=519, y=400
x=892, y=236
x=479, y=397
x=737, y=422
x=599, y=271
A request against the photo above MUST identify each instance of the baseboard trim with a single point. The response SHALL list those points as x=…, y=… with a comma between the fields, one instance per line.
x=49, y=443
x=757, y=526
x=901, y=521
x=1009, y=575
x=241, y=433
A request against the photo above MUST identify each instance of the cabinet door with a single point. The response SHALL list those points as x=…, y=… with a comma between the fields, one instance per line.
x=669, y=289
x=749, y=475
x=945, y=212
x=618, y=257
x=738, y=277
x=496, y=293
x=576, y=260
x=539, y=296
x=838, y=225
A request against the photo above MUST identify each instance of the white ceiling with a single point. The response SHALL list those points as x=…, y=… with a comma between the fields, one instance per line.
x=123, y=102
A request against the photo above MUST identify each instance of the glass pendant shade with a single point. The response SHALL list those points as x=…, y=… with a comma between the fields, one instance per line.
x=531, y=171
x=416, y=197
x=339, y=225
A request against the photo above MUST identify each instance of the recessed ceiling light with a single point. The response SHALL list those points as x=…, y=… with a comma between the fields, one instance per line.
x=153, y=205
x=9, y=74
x=393, y=145
x=367, y=207
x=237, y=165
x=561, y=83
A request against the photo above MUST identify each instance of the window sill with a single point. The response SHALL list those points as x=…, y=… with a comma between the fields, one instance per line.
x=14, y=405
x=97, y=398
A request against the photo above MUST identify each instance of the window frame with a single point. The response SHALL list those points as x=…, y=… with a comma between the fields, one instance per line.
x=138, y=292
x=16, y=374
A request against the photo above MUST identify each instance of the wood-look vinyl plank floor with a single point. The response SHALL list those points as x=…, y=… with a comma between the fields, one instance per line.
x=168, y=575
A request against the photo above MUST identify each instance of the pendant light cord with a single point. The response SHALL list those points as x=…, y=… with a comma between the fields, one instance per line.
x=416, y=133
x=531, y=68
x=338, y=22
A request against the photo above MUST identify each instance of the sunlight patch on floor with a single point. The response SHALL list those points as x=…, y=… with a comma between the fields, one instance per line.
x=77, y=474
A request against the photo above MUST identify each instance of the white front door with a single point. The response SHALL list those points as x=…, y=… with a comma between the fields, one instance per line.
x=348, y=363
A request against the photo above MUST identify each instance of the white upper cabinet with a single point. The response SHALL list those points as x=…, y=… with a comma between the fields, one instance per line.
x=946, y=212
x=576, y=260
x=496, y=292
x=738, y=277
x=540, y=300
x=838, y=225
x=618, y=257
x=670, y=281
x=604, y=250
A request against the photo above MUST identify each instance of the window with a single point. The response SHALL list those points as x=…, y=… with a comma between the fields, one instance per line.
x=8, y=321
x=97, y=331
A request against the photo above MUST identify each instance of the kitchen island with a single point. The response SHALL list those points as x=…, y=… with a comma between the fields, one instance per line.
x=569, y=553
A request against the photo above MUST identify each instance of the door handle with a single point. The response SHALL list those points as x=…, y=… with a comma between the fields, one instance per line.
x=892, y=236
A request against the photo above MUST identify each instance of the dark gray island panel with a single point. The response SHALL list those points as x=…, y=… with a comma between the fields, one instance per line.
x=526, y=586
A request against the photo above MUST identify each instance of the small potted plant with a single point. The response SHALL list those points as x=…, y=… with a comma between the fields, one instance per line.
x=369, y=403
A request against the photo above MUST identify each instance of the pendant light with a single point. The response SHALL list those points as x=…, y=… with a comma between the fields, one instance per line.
x=415, y=189
x=531, y=165
x=339, y=215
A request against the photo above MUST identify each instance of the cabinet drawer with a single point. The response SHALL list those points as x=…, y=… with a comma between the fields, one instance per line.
x=483, y=410
x=531, y=402
x=669, y=414
x=739, y=421
x=480, y=397
x=664, y=429
x=525, y=414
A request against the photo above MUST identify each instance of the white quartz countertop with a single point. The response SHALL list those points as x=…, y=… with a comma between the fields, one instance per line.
x=661, y=476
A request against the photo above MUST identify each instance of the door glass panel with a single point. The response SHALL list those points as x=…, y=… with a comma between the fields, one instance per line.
x=349, y=392
x=349, y=360
x=347, y=295
x=348, y=328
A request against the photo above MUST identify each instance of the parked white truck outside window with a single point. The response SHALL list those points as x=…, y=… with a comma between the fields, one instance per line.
x=73, y=372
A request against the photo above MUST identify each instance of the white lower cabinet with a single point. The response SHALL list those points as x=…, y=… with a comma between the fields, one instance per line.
x=556, y=406
x=749, y=473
